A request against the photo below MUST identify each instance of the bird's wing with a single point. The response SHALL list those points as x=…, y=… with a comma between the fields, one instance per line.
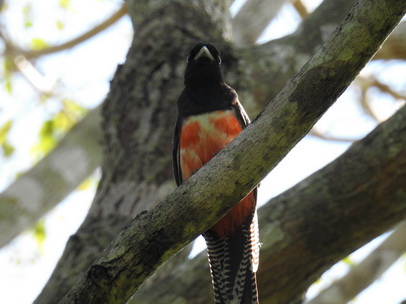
x=176, y=151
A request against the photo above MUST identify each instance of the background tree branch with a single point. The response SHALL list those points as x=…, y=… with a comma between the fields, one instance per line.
x=52, y=179
x=13, y=50
x=278, y=60
x=363, y=274
x=251, y=20
x=157, y=235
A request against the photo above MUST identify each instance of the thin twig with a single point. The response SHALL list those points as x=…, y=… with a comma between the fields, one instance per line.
x=385, y=88
x=33, y=76
x=300, y=8
x=30, y=54
x=319, y=134
x=366, y=83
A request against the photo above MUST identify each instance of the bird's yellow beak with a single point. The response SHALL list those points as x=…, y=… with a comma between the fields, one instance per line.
x=204, y=52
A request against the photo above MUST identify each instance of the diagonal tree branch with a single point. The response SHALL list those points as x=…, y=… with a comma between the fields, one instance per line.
x=295, y=221
x=155, y=236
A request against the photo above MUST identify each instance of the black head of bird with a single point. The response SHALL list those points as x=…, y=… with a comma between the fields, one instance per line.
x=203, y=66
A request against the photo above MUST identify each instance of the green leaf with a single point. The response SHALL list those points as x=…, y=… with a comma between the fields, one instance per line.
x=53, y=129
x=27, y=14
x=65, y=3
x=40, y=232
x=47, y=138
x=28, y=23
x=7, y=148
x=38, y=44
x=69, y=115
x=348, y=261
x=8, y=65
x=60, y=25
x=8, y=85
x=4, y=129
x=47, y=129
x=73, y=108
x=86, y=184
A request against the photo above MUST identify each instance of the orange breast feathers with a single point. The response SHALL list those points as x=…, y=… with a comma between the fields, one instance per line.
x=202, y=137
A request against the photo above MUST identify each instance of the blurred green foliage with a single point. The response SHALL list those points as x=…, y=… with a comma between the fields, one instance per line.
x=54, y=128
x=7, y=148
x=67, y=4
x=40, y=232
x=38, y=44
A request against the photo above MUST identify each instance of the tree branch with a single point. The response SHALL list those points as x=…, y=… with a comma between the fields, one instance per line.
x=278, y=60
x=155, y=236
x=366, y=272
x=30, y=54
x=312, y=219
x=52, y=179
x=300, y=8
x=252, y=19
x=324, y=135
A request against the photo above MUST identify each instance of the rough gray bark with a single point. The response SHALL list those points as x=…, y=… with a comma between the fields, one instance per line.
x=157, y=235
x=52, y=179
x=315, y=215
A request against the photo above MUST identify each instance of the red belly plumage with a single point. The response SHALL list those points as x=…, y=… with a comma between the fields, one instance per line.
x=202, y=137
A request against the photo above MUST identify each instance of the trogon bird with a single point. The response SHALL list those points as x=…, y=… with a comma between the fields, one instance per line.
x=209, y=118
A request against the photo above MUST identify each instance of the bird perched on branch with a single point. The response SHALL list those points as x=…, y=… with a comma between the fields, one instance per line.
x=209, y=118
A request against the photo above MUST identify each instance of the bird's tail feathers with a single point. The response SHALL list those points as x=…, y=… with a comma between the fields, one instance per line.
x=233, y=262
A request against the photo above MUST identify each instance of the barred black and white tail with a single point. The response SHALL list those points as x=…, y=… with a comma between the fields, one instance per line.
x=233, y=263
